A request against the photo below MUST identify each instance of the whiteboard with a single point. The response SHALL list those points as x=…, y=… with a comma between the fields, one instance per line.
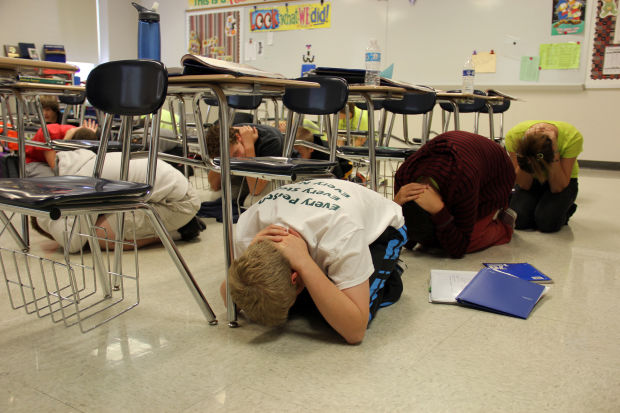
x=428, y=41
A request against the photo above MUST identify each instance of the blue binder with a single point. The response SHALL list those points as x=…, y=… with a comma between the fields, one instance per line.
x=522, y=270
x=493, y=291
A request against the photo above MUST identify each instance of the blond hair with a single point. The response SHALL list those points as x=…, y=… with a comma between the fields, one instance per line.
x=260, y=284
x=535, y=152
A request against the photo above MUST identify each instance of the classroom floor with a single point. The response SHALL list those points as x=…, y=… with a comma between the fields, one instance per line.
x=162, y=356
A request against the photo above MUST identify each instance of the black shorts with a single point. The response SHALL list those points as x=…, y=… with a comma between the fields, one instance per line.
x=386, y=284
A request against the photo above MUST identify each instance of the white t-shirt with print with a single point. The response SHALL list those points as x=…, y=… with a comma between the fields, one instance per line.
x=337, y=219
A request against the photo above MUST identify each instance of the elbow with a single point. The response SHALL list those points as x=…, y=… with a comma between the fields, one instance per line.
x=355, y=338
x=355, y=335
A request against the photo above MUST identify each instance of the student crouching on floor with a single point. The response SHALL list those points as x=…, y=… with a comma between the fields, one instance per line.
x=544, y=155
x=331, y=239
x=454, y=192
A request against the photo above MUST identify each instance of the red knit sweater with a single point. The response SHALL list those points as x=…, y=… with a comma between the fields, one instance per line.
x=474, y=175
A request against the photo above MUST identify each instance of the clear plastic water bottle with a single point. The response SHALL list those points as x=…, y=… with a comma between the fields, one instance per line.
x=373, y=64
x=149, y=38
x=469, y=73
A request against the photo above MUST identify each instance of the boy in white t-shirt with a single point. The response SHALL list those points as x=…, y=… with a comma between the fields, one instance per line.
x=338, y=240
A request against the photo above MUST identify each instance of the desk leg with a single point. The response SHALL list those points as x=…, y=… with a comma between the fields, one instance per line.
x=226, y=197
x=21, y=145
x=371, y=143
x=491, y=123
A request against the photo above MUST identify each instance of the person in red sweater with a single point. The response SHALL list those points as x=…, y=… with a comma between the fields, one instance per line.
x=455, y=191
x=41, y=161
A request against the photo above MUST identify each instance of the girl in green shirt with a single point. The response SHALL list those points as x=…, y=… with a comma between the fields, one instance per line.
x=544, y=155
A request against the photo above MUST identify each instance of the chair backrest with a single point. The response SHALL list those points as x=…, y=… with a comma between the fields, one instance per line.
x=128, y=87
x=497, y=107
x=241, y=102
x=412, y=104
x=72, y=99
x=468, y=107
x=324, y=100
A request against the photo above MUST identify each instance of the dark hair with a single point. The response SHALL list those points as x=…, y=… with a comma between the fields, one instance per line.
x=420, y=227
x=51, y=102
x=535, y=154
x=213, y=139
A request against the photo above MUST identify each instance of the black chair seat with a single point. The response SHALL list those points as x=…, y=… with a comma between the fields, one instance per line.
x=113, y=146
x=467, y=106
x=243, y=102
x=497, y=107
x=380, y=151
x=376, y=104
x=62, y=191
x=279, y=165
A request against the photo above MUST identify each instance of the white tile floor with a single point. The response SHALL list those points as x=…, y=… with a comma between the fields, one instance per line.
x=163, y=357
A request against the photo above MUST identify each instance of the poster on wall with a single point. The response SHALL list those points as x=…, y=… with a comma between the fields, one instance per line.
x=568, y=17
x=291, y=17
x=214, y=34
x=604, y=70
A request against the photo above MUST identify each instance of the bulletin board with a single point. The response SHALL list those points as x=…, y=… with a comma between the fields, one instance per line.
x=604, y=50
x=214, y=34
x=428, y=41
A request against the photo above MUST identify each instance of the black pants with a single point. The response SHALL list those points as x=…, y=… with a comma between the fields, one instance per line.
x=385, y=283
x=539, y=208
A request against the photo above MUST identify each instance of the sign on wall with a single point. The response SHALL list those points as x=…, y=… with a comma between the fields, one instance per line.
x=291, y=17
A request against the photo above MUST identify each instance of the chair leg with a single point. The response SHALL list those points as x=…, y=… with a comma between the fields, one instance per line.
x=445, y=121
x=475, y=124
x=95, y=249
x=178, y=260
x=491, y=123
x=12, y=231
x=390, y=128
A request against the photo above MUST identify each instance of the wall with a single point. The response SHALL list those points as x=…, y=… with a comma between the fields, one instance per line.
x=71, y=22
x=594, y=112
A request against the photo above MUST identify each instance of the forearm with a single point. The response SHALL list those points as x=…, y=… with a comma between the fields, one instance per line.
x=343, y=314
x=256, y=186
x=558, y=180
x=215, y=180
x=50, y=158
x=453, y=239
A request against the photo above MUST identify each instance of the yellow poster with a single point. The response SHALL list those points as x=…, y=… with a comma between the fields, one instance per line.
x=291, y=17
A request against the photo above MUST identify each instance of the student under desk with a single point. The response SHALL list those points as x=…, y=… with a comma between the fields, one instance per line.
x=22, y=89
x=221, y=86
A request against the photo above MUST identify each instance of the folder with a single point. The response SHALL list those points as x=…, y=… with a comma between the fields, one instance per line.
x=501, y=293
x=522, y=270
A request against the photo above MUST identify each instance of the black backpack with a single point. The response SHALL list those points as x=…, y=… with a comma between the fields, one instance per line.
x=9, y=165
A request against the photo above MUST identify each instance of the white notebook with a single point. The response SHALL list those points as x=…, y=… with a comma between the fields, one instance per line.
x=445, y=285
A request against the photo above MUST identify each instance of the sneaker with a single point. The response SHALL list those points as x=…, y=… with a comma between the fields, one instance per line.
x=192, y=229
x=508, y=216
